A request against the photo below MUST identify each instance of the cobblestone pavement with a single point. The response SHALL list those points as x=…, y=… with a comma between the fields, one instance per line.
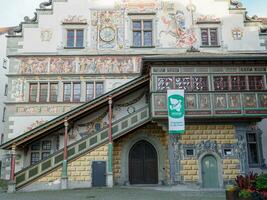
x=115, y=194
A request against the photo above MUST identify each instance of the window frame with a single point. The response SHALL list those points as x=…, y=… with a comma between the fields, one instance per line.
x=258, y=144
x=209, y=28
x=40, y=151
x=30, y=92
x=57, y=92
x=94, y=83
x=141, y=17
x=75, y=30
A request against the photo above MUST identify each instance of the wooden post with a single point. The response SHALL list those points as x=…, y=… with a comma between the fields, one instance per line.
x=110, y=145
x=64, y=175
x=12, y=183
x=12, y=164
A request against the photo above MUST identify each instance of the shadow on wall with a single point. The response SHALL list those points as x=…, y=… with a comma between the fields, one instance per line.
x=263, y=126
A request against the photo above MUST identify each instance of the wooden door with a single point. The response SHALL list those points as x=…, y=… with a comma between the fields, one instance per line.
x=143, y=164
x=99, y=173
x=210, y=172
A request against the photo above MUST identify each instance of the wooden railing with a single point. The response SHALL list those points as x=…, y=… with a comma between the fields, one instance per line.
x=82, y=146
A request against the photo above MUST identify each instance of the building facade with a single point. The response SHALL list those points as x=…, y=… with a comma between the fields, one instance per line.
x=3, y=88
x=87, y=102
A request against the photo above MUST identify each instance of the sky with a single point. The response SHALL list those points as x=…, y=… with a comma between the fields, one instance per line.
x=12, y=12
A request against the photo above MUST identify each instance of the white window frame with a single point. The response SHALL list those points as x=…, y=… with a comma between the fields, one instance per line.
x=74, y=27
x=219, y=35
x=142, y=17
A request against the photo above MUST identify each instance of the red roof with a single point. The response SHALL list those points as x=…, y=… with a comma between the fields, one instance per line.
x=4, y=30
x=264, y=20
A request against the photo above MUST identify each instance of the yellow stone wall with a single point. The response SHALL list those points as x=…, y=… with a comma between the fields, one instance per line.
x=79, y=169
x=195, y=134
x=150, y=129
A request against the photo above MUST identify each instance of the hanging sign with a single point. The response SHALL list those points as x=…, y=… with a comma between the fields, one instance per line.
x=176, y=111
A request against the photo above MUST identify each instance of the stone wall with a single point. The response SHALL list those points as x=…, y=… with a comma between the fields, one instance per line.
x=150, y=131
x=219, y=134
x=79, y=169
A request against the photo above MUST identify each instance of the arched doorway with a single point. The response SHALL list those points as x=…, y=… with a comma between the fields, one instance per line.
x=143, y=164
x=209, y=170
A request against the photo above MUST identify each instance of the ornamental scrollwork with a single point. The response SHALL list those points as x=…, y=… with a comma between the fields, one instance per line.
x=45, y=4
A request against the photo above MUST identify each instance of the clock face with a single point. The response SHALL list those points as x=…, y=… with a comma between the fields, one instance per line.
x=107, y=34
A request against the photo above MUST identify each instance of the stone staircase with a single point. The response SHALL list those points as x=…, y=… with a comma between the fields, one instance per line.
x=85, y=145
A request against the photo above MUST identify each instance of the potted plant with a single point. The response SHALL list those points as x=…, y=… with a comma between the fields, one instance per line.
x=261, y=185
x=231, y=192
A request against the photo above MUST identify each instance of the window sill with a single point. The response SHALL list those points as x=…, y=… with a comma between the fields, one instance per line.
x=142, y=47
x=210, y=46
x=74, y=47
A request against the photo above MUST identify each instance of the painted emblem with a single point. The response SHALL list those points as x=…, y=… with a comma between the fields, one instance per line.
x=107, y=34
x=46, y=35
x=237, y=33
x=176, y=106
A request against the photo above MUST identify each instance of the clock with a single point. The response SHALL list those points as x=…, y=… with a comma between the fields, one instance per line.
x=107, y=34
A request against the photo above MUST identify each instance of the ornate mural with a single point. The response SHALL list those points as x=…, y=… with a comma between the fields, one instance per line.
x=33, y=65
x=72, y=65
x=42, y=109
x=74, y=19
x=35, y=124
x=46, y=35
x=17, y=89
x=175, y=27
x=237, y=33
x=107, y=29
x=141, y=5
x=59, y=65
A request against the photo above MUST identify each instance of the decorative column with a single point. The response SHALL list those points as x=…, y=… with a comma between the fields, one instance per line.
x=110, y=146
x=64, y=175
x=12, y=183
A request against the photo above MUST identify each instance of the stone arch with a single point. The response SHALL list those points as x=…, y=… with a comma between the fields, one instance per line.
x=219, y=166
x=126, y=147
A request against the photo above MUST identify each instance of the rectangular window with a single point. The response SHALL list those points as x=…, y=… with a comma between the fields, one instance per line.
x=79, y=38
x=256, y=82
x=4, y=63
x=45, y=154
x=90, y=91
x=4, y=114
x=2, y=138
x=70, y=38
x=253, y=153
x=46, y=145
x=209, y=36
x=75, y=38
x=99, y=89
x=142, y=33
x=35, y=146
x=33, y=92
x=43, y=92
x=221, y=83
x=238, y=82
x=53, y=92
x=94, y=89
x=76, y=92
x=67, y=92
x=6, y=89
x=35, y=157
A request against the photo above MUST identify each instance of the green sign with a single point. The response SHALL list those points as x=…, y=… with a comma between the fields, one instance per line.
x=176, y=111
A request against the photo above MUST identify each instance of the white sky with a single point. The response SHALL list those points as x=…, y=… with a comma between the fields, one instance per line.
x=12, y=12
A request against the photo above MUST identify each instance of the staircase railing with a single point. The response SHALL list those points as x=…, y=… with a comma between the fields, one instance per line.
x=82, y=146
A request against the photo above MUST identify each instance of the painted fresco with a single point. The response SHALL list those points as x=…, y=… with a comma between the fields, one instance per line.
x=17, y=90
x=62, y=65
x=107, y=29
x=72, y=65
x=35, y=124
x=176, y=29
x=104, y=64
x=33, y=65
x=141, y=5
